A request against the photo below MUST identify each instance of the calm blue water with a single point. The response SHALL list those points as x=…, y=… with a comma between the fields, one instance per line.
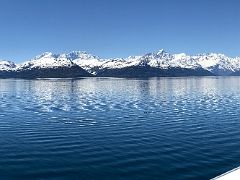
x=96, y=128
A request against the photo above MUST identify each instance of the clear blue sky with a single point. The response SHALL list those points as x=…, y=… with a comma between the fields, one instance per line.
x=118, y=28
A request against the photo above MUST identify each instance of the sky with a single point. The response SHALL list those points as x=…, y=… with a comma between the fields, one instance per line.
x=118, y=28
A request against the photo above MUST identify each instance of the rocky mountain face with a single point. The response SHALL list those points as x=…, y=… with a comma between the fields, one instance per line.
x=82, y=64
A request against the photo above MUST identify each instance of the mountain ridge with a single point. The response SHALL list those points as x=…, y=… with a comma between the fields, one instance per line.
x=161, y=63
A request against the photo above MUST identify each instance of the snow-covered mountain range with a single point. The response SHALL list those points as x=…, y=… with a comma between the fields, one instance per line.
x=160, y=63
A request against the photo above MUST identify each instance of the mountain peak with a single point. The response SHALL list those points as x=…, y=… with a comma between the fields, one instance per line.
x=80, y=55
x=46, y=55
x=161, y=52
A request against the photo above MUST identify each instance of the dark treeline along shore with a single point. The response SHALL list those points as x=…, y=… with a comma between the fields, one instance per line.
x=129, y=72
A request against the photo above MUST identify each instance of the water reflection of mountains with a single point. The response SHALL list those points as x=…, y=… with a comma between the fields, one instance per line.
x=103, y=94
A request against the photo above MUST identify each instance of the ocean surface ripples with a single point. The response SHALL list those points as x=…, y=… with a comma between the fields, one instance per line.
x=103, y=128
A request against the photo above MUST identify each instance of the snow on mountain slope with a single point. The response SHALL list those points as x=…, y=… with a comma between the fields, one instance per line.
x=6, y=65
x=85, y=60
x=219, y=64
x=207, y=60
x=164, y=60
x=47, y=60
x=184, y=61
x=161, y=59
x=121, y=63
